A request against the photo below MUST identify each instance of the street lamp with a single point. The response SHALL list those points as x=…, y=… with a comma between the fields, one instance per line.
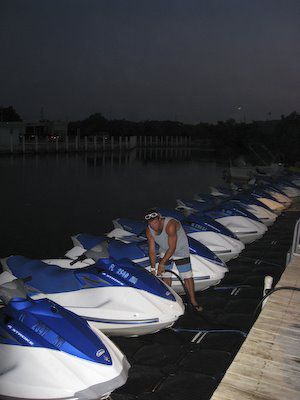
x=242, y=113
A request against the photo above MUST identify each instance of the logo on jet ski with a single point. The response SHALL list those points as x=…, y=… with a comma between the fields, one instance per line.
x=100, y=352
x=197, y=226
x=14, y=330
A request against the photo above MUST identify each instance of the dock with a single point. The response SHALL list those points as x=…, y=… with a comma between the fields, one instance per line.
x=267, y=365
x=199, y=357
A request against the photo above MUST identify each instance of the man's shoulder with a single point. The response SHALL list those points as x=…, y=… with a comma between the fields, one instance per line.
x=172, y=225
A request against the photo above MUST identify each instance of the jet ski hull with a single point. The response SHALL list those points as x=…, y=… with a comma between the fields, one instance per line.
x=290, y=191
x=245, y=229
x=265, y=216
x=40, y=373
x=121, y=311
x=226, y=248
x=273, y=205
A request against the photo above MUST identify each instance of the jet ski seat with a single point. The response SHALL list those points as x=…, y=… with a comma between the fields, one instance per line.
x=47, y=278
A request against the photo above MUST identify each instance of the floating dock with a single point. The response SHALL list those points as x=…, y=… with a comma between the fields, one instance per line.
x=267, y=365
x=190, y=360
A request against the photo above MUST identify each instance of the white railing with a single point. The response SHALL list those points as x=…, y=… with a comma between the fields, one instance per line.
x=296, y=239
x=295, y=248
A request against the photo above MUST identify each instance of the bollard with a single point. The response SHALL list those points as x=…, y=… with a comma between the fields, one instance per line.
x=85, y=143
x=67, y=143
x=23, y=144
x=95, y=143
x=36, y=144
x=267, y=287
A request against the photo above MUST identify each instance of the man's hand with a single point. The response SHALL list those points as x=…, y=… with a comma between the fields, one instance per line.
x=160, y=269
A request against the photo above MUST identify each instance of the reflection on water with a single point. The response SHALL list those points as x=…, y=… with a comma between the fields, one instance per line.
x=175, y=155
x=47, y=198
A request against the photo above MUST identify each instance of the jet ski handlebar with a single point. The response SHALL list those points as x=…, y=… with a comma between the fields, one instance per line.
x=82, y=257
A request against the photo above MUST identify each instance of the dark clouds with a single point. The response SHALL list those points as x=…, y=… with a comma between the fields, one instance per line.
x=190, y=60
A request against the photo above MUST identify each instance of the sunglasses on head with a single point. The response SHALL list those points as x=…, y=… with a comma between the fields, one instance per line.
x=151, y=216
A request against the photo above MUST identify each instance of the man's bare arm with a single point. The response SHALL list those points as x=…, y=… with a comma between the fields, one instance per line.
x=152, y=252
x=171, y=230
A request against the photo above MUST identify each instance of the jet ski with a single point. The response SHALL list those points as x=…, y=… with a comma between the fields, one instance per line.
x=277, y=194
x=242, y=223
x=208, y=269
x=265, y=198
x=248, y=203
x=114, y=296
x=255, y=207
x=290, y=189
x=289, y=185
x=205, y=230
x=48, y=352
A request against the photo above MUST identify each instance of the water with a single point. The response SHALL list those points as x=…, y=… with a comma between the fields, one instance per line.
x=47, y=198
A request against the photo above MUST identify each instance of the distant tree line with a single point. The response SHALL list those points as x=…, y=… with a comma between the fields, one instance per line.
x=229, y=137
x=9, y=114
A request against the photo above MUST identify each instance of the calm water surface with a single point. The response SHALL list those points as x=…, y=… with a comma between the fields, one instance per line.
x=47, y=198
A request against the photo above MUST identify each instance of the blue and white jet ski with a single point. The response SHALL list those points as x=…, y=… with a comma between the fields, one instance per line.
x=240, y=221
x=47, y=352
x=115, y=297
x=277, y=194
x=208, y=269
x=251, y=204
x=205, y=230
x=246, y=202
x=290, y=189
x=268, y=200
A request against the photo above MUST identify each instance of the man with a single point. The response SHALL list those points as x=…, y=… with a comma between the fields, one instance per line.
x=173, y=244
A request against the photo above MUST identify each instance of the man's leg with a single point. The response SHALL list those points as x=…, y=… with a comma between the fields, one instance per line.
x=189, y=284
x=168, y=281
x=185, y=270
x=167, y=276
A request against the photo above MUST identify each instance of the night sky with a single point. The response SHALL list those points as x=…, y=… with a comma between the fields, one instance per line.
x=186, y=60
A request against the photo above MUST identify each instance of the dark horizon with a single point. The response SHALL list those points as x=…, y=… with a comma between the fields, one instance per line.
x=168, y=60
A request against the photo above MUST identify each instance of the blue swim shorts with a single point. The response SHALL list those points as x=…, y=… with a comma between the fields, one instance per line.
x=183, y=266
